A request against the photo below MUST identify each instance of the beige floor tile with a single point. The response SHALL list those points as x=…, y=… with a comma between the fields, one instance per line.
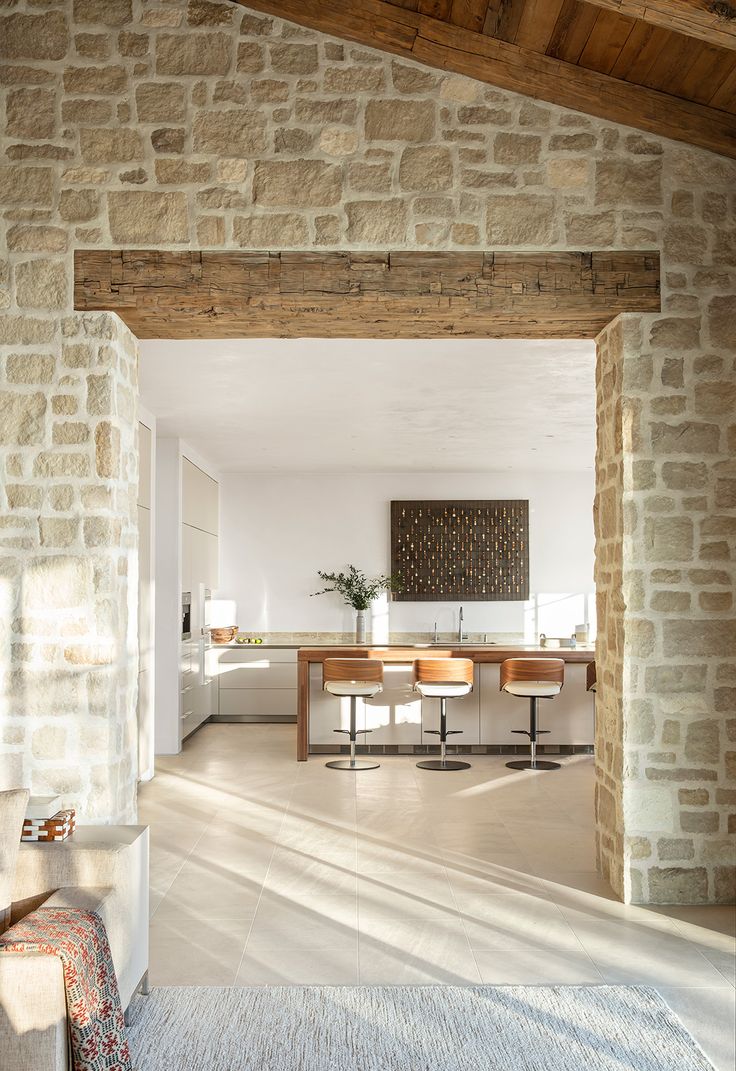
x=323, y=922
x=205, y=953
x=641, y=956
x=288, y=966
x=710, y=1016
x=209, y=891
x=405, y=895
x=550, y=967
x=516, y=922
x=412, y=952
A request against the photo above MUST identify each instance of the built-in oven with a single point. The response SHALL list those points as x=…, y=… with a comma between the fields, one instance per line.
x=186, y=615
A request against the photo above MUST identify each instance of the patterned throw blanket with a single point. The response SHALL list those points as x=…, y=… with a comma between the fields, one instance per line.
x=96, y=1028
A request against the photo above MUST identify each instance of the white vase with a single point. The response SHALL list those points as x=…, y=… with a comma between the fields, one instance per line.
x=360, y=626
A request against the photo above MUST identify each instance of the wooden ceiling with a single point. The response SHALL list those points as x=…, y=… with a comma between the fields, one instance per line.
x=664, y=66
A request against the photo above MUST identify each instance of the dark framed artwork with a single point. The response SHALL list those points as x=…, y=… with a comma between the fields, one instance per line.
x=445, y=551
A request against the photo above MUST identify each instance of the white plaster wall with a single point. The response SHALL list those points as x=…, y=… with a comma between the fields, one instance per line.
x=277, y=531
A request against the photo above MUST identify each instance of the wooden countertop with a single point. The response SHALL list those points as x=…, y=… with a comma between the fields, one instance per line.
x=483, y=652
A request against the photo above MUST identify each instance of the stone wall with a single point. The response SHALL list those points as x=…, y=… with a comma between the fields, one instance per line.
x=206, y=125
x=68, y=627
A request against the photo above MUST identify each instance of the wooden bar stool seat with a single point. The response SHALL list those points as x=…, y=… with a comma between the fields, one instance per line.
x=443, y=679
x=356, y=678
x=591, y=677
x=532, y=679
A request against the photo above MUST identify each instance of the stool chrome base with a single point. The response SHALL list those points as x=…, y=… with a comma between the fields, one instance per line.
x=527, y=764
x=352, y=764
x=443, y=764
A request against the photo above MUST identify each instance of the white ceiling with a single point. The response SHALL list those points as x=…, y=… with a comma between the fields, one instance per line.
x=364, y=405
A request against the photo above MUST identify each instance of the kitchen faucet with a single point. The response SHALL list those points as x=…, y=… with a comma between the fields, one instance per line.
x=460, y=626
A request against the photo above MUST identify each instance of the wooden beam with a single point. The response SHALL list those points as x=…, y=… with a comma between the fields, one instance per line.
x=237, y=294
x=713, y=21
x=434, y=42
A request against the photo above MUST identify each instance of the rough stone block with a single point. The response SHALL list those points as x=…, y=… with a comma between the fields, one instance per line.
x=237, y=132
x=376, y=222
x=104, y=146
x=628, y=181
x=41, y=284
x=206, y=53
x=103, y=81
x=279, y=231
x=400, y=120
x=426, y=168
x=297, y=183
x=58, y=532
x=142, y=216
x=37, y=37
x=30, y=113
x=668, y=538
x=674, y=678
x=521, y=219
x=292, y=58
x=678, y=885
x=699, y=637
x=160, y=102
x=688, y=437
x=353, y=80
x=408, y=79
x=511, y=148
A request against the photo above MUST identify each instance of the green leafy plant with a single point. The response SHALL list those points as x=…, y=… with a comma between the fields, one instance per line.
x=357, y=589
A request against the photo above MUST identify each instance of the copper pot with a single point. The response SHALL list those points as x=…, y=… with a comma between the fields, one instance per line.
x=224, y=635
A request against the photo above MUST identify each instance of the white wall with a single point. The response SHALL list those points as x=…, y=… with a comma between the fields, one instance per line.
x=277, y=531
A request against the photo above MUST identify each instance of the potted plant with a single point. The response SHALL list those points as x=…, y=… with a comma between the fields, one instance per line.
x=358, y=591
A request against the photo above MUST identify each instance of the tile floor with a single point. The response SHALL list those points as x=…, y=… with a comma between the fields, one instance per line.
x=268, y=871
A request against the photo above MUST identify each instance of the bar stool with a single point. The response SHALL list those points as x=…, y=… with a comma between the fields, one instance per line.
x=591, y=678
x=533, y=679
x=443, y=679
x=352, y=677
x=591, y=685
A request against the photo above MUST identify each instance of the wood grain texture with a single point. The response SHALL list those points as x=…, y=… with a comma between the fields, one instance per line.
x=302, y=711
x=591, y=676
x=694, y=18
x=491, y=54
x=189, y=294
x=532, y=669
x=352, y=669
x=443, y=670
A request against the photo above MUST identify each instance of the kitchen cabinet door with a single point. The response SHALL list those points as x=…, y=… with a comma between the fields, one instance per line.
x=199, y=498
x=187, y=557
x=211, y=560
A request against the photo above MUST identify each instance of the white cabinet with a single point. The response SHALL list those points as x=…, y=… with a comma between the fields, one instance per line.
x=256, y=684
x=144, y=465
x=199, y=498
x=568, y=717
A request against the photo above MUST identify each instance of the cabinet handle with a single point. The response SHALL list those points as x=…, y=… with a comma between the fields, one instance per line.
x=185, y=715
x=187, y=689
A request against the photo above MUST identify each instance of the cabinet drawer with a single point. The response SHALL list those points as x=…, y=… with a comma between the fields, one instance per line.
x=257, y=674
x=257, y=654
x=258, y=701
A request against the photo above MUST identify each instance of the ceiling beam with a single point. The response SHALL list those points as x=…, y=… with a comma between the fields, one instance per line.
x=435, y=43
x=713, y=21
x=234, y=294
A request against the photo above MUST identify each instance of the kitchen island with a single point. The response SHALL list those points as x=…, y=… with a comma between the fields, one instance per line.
x=399, y=716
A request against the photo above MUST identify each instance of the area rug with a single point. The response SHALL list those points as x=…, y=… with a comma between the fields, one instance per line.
x=410, y=1028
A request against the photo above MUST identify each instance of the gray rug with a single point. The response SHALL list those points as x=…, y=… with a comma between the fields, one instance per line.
x=410, y=1028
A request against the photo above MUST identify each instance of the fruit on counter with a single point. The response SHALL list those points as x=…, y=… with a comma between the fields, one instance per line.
x=248, y=639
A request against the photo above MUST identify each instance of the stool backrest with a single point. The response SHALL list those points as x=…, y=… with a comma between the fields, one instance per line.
x=591, y=677
x=443, y=670
x=352, y=669
x=532, y=669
